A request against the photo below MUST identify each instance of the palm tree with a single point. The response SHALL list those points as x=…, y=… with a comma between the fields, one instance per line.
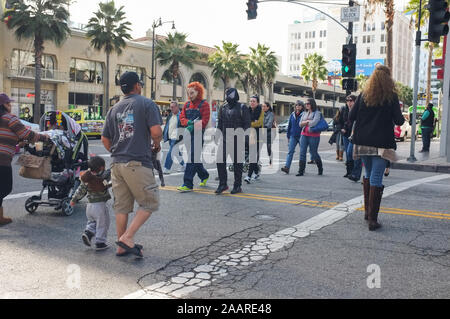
x=389, y=9
x=108, y=31
x=362, y=79
x=262, y=65
x=413, y=8
x=173, y=51
x=226, y=63
x=314, y=70
x=40, y=20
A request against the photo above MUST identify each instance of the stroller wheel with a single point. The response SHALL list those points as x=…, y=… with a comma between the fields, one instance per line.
x=245, y=168
x=231, y=168
x=30, y=205
x=66, y=208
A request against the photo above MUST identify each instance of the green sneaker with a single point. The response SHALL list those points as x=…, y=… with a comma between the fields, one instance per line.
x=203, y=182
x=184, y=189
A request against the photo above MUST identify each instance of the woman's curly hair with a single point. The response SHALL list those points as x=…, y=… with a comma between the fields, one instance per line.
x=380, y=87
x=198, y=87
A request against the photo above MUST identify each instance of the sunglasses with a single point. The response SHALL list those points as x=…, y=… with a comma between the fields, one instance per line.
x=349, y=100
x=307, y=103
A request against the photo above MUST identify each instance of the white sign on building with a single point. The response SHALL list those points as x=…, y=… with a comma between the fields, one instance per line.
x=350, y=14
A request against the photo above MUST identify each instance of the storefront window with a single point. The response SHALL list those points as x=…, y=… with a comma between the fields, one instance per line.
x=121, y=69
x=86, y=71
x=23, y=62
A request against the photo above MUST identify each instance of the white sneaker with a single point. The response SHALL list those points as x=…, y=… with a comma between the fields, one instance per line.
x=182, y=168
x=256, y=177
x=166, y=171
x=247, y=180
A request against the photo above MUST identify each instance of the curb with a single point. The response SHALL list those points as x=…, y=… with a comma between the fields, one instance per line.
x=435, y=168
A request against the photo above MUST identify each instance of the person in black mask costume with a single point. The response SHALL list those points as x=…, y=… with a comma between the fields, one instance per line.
x=232, y=116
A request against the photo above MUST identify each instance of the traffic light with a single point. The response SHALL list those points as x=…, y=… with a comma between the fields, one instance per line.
x=348, y=60
x=251, y=11
x=437, y=23
x=350, y=85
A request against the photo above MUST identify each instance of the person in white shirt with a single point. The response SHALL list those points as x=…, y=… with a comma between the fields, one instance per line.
x=173, y=136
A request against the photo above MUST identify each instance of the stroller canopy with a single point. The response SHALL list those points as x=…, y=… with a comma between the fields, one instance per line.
x=61, y=121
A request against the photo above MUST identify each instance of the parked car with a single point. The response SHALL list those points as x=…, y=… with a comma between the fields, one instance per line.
x=403, y=131
x=282, y=127
x=330, y=125
x=31, y=126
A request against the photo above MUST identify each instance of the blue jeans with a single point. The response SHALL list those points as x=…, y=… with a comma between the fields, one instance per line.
x=293, y=141
x=357, y=164
x=426, y=137
x=169, y=161
x=313, y=143
x=346, y=143
x=374, y=166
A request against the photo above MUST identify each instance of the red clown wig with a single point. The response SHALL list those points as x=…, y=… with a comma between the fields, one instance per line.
x=198, y=87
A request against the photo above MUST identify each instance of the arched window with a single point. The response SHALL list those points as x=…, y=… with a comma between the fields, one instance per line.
x=198, y=77
x=167, y=78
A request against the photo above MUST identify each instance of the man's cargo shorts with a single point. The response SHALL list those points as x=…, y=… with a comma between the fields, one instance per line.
x=131, y=181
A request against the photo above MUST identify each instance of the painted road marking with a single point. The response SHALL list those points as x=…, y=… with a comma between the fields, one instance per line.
x=325, y=204
x=186, y=282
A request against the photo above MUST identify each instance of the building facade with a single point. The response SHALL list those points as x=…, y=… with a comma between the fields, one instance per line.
x=325, y=37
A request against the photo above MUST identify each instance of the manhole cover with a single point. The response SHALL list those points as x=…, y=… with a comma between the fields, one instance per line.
x=265, y=217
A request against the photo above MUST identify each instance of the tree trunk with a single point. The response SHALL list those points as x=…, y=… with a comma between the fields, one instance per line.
x=106, y=101
x=175, y=77
x=430, y=66
x=174, y=88
x=38, y=49
x=389, y=32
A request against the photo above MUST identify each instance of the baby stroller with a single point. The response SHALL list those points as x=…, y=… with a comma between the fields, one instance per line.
x=68, y=150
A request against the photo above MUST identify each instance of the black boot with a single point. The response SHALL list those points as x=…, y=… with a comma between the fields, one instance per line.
x=349, y=166
x=375, y=195
x=221, y=189
x=319, y=166
x=236, y=189
x=301, y=169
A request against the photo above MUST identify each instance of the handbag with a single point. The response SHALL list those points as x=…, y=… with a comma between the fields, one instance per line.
x=35, y=167
x=319, y=127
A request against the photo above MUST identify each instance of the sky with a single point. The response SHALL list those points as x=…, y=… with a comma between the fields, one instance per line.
x=209, y=22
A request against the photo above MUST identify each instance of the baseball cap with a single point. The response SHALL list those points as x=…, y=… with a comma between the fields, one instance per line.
x=5, y=99
x=128, y=80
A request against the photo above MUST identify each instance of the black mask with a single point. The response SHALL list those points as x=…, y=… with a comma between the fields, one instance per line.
x=232, y=96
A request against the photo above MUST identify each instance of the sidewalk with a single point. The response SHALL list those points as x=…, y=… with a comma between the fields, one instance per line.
x=426, y=162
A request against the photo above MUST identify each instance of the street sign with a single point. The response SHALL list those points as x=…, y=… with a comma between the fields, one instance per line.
x=350, y=14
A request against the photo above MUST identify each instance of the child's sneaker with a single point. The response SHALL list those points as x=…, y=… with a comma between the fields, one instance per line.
x=203, y=182
x=247, y=180
x=256, y=178
x=86, y=237
x=101, y=246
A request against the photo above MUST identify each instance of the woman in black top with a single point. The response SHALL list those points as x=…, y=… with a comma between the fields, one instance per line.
x=375, y=112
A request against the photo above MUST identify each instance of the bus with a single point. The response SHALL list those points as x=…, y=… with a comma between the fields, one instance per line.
x=90, y=120
x=419, y=112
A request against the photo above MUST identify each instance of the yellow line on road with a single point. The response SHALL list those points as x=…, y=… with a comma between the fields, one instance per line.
x=323, y=204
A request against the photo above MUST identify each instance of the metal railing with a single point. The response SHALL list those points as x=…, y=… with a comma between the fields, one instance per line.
x=28, y=72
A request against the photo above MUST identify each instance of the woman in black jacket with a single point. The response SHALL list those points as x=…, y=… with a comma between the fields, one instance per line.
x=375, y=112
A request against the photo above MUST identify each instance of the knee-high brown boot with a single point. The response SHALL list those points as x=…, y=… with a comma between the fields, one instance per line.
x=4, y=220
x=375, y=195
x=366, y=189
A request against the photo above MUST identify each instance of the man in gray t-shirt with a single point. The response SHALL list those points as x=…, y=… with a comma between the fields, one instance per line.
x=130, y=127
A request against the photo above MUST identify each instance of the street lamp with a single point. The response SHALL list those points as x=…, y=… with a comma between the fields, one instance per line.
x=155, y=25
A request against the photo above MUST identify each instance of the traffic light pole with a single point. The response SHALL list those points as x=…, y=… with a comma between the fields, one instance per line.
x=350, y=33
x=411, y=157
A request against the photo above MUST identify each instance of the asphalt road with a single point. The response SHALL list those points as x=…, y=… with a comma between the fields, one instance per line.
x=284, y=237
